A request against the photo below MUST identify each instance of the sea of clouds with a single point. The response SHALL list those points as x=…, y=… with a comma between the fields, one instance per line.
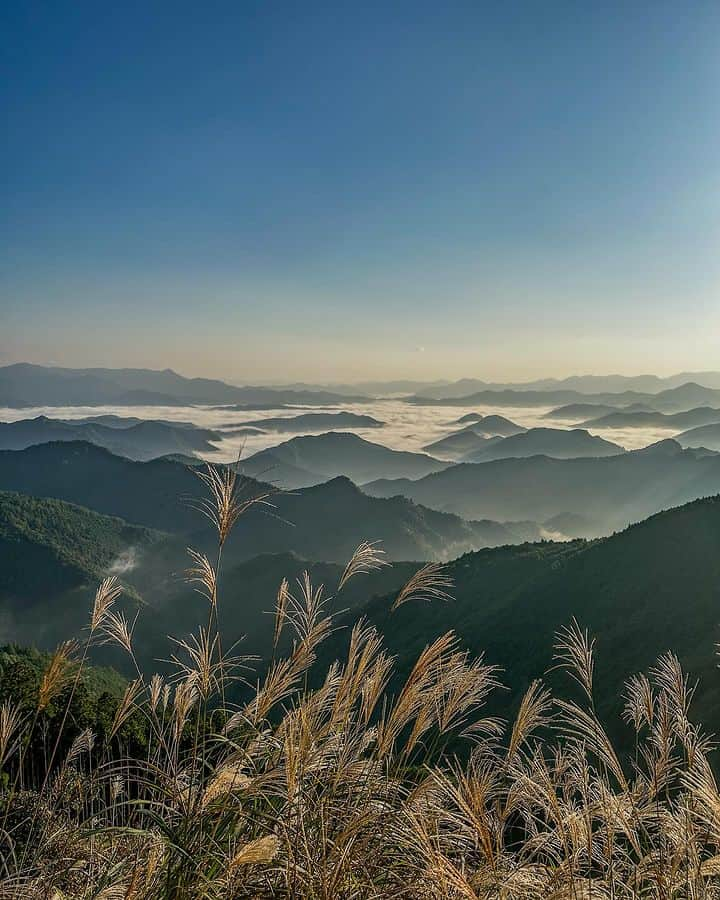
x=407, y=427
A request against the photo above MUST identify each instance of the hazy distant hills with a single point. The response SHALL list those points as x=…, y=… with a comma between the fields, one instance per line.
x=113, y=421
x=459, y=444
x=642, y=592
x=577, y=412
x=479, y=432
x=707, y=436
x=490, y=426
x=468, y=446
x=23, y=384
x=307, y=460
x=315, y=422
x=555, y=442
x=141, y=441
x=581, y=384
x=609, y=492
x=677, y=399
x=327, y=521
x=693, y=418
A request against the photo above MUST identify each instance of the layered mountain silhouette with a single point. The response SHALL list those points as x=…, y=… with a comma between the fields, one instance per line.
x=142, y=440
x=677, y=399
x=327, y=521
x=490, y=426
x=555, y=442
x=315, y=422
x=459, y=444
x=24, y=384
x=693, y=418
x=308, y=460
x=609, y=492
x=576, y=412
x=707, y=436
x=582, y=384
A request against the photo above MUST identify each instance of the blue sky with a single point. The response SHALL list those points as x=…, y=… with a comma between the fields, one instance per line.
x=279, y=191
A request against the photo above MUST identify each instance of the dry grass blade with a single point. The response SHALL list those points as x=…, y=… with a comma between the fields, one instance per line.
x=105, y=596
x=281, y=604
x=368, y=557
x=11, y=721
x=83, y=743
x=56, y=674
x=261, y=850
x=574, y=651
x=533, y=714
x=225, y=504
x=427, y=584
x=126, y=706
x=228, y=778
x=202, y=574
x=117, y=630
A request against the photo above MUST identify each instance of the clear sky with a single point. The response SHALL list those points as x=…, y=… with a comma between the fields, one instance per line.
x=320, y=191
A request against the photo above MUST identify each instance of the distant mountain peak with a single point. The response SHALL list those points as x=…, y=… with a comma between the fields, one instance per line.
x=666, y=447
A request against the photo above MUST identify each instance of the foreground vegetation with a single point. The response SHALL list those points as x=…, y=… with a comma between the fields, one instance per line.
x=330, y=785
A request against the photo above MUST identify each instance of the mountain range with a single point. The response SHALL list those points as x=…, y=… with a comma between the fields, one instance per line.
x=677, y=399
x=582, y=384
x=314, y=422
x=703, y=415
x=26, y=384
x=577, y=412
x=609, y=493
x=585, y=384
x=459, y=444
x=468, y=446
x=23, y=384
x=555, y=442
x=142, y=440
x=707, y=436
x=326, y=521
x=308, y=460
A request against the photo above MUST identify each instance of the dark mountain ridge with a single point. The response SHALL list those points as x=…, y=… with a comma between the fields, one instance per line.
x=651, y=588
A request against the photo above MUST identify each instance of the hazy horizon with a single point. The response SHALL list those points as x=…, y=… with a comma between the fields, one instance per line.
x=371, y=376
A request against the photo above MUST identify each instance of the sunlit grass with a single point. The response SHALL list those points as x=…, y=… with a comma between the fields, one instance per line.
x=323, y=785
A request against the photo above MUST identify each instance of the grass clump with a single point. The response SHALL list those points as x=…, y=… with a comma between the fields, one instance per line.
x=206, y=783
